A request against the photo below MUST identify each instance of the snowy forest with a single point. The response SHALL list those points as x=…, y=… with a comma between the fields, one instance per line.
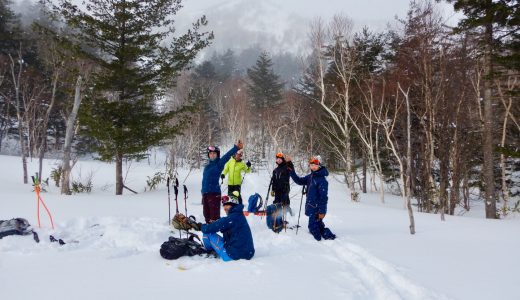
x=422, y=110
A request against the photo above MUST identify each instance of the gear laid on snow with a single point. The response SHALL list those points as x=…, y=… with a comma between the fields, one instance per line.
x=182, y=222
x=176, y=247
x=17, y=226
x=255, y=203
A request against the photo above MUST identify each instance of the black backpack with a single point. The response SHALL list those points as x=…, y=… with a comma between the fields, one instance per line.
x=17, y=226
x=176, y=247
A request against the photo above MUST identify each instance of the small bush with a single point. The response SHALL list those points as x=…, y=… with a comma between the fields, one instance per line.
x=56, y=175
x=77, y=186
x=153, y=182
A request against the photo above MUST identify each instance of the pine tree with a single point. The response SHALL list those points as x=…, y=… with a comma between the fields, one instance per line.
x=205, y=81
x=498, y=22
x=9, y=27
x=127, y=39
x=226, y=65
x=265, y=90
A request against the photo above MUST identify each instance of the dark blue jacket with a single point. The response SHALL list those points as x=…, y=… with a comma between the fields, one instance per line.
x=317, y=190
x=212, y=170
x=238, y=240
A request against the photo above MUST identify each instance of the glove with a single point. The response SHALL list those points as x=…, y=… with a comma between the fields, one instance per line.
x=222, y=176
x=321, y=216
x=178, y=222
x=272, y=193
x=248, y=164
x=196, y=225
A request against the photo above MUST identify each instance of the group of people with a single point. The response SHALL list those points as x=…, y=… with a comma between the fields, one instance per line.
x=237, y=240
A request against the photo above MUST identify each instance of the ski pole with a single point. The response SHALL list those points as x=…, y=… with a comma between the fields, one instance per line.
x=267, y=197
x=299, y=213
x=185, y=197
x=169, y=209
x=176, y=191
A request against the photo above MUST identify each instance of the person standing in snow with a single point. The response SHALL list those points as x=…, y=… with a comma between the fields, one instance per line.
x=317, y=197
x=237, y=240
x=211, y=192
x=234, y=167
x=280, y=186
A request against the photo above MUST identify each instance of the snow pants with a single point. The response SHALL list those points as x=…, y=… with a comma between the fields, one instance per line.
x=211, y=206
x=318, y=230
x=213, y=241
x=282, y=198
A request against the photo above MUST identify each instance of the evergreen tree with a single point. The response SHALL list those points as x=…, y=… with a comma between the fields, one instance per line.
x=226, y=65
x=498, y=23
x=9, y=27
x=264, y=87
x=265, y=90
x=205, y=81
x=128, y=38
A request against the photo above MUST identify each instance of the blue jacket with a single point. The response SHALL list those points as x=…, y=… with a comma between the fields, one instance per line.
x=212, y=170
x=317, y=190
x=238, y=239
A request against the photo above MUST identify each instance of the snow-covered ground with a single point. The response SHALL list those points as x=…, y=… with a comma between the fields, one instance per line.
x=113, y=242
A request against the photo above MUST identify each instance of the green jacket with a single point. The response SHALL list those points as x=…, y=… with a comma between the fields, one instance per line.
x=235, y=168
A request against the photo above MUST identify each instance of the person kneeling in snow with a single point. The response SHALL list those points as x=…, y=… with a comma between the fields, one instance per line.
x=237, y=242
x=316, y=202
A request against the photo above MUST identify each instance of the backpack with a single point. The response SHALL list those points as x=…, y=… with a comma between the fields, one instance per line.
x=174, y=247
x=17, y=226
x=274, y=217
x=253, y=205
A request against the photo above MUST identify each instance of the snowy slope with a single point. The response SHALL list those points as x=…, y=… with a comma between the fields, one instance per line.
x=116, y=253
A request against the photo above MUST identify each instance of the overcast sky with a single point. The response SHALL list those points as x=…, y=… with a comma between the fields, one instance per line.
x=283, y=24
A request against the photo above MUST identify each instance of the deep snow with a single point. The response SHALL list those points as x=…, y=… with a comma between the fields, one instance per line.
x=118, y=238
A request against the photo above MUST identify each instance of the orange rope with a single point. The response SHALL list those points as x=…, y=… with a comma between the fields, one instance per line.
x=37, y=190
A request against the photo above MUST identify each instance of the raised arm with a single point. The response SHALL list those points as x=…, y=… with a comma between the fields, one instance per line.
x=225, y=158
x=298, y=180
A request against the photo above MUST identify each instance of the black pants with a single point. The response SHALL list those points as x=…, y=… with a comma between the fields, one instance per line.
x=232, y=188
x=282, y=198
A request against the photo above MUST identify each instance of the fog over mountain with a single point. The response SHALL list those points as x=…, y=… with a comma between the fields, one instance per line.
x=283, y=25
x=276, y=25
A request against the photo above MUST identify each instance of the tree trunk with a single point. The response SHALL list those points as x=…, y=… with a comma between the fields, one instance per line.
x=489, y=180
x=409, y=171
x=364, y=186
x=444, y=182
x=16, y=82
x=69, y=134
x=119, y=173
x=41, y=155
x=408, y=163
